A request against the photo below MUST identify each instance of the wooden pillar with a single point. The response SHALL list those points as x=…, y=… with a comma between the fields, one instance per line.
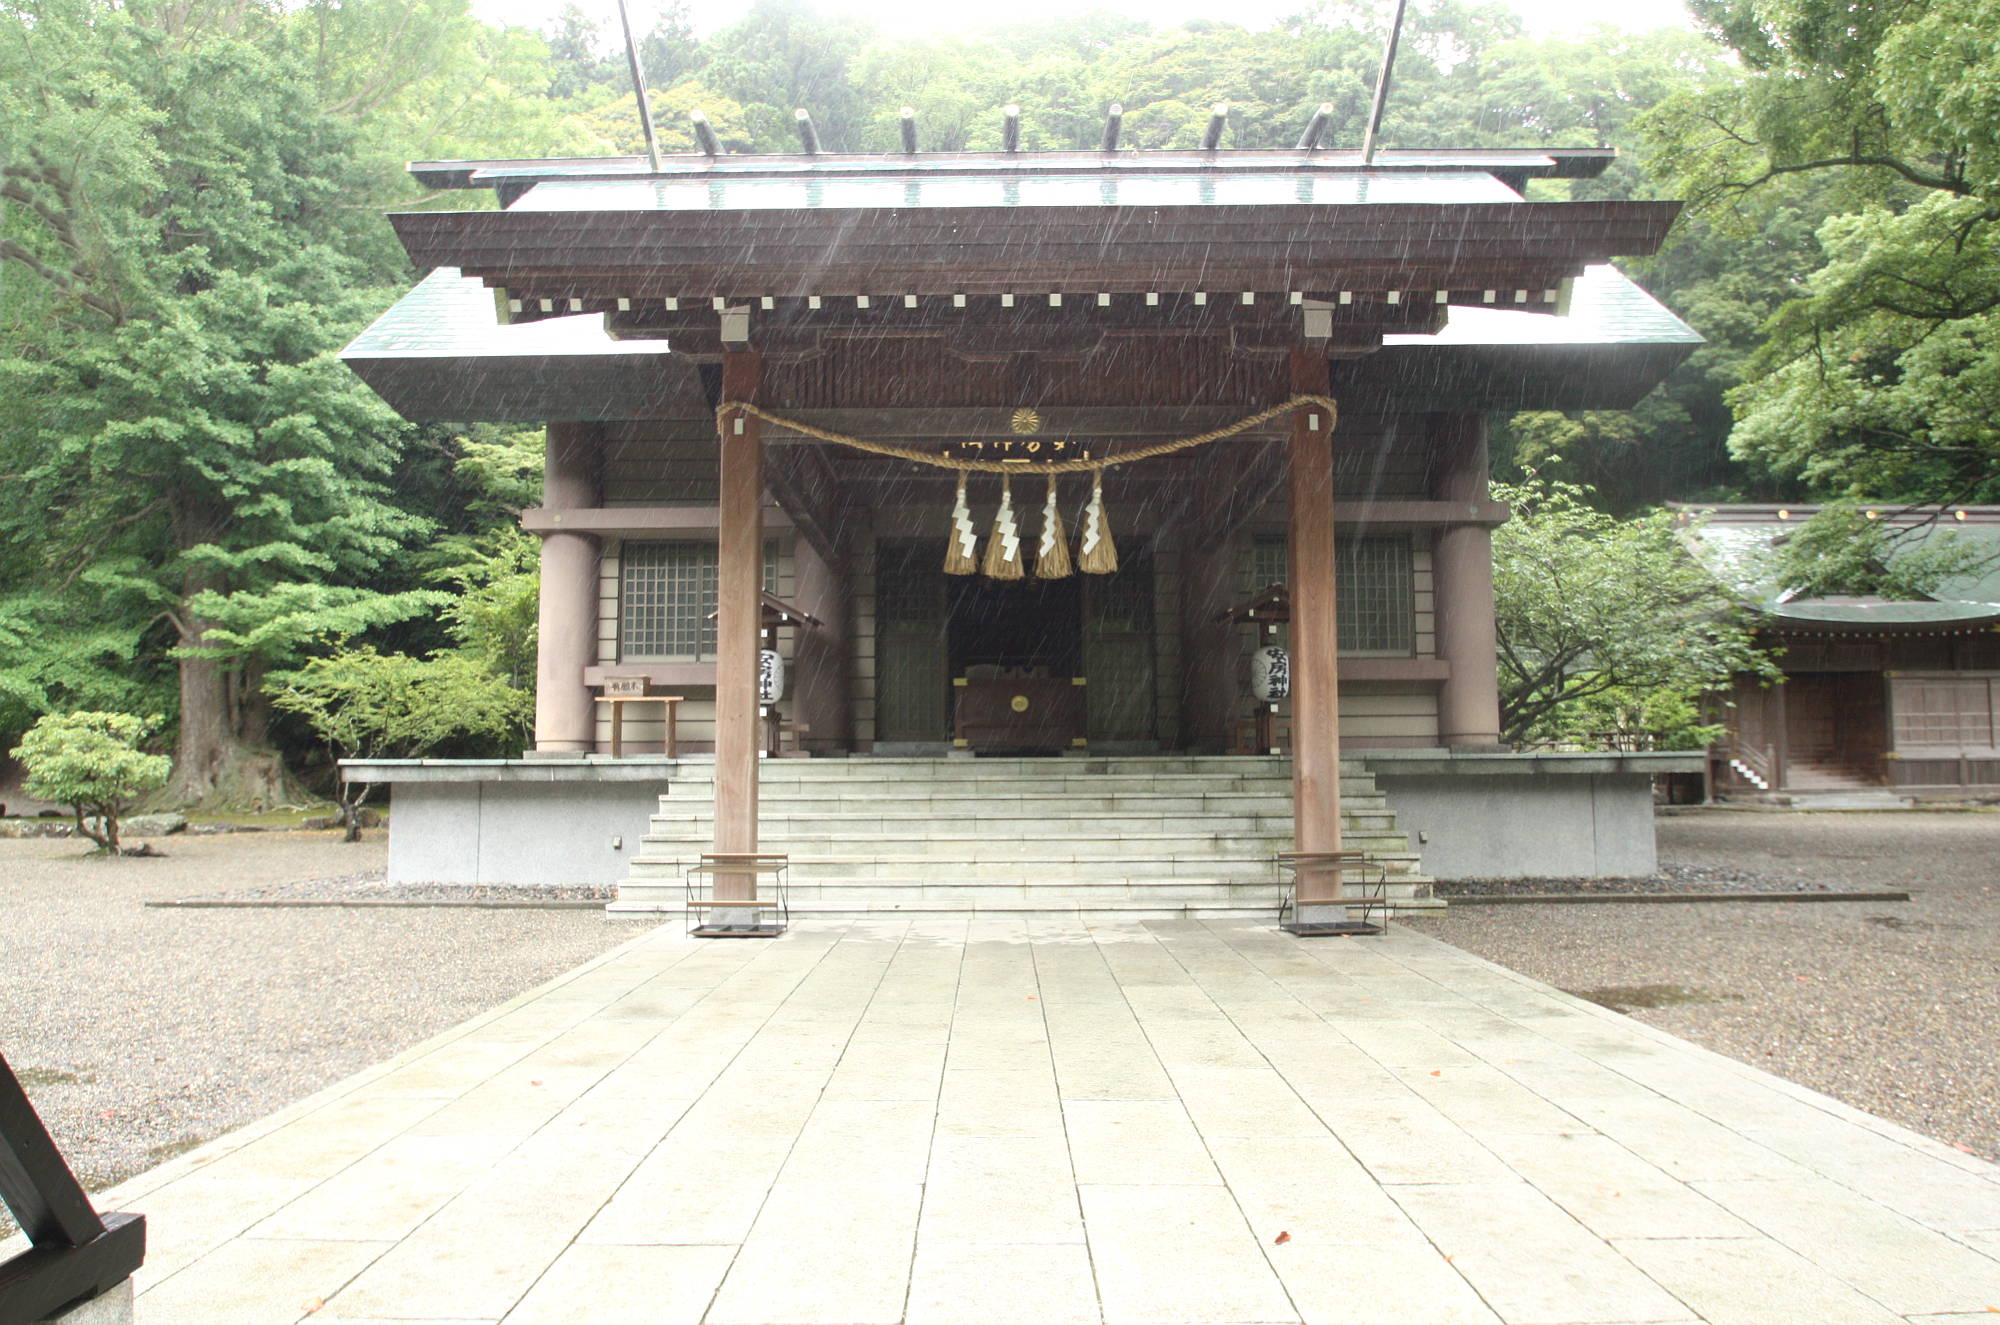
x=739, y=598
x=1462, y=570
x=566, y=640
x=1315, y=640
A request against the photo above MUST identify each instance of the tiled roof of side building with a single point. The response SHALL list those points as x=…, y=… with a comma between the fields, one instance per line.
x=1738, y=540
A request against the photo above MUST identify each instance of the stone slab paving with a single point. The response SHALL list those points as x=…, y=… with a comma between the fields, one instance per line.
x=1134, y=1124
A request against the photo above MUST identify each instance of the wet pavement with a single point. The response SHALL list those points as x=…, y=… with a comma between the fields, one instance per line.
x=886, y=1121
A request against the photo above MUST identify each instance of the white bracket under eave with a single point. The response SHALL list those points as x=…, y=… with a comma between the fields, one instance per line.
x=736, y=325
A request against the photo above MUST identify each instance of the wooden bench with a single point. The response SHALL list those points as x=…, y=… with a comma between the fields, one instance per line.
x=1265, y=732
x=669, y=704
x=782, y=739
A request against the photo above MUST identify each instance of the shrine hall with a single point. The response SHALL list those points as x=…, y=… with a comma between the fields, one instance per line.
x=1019, y=530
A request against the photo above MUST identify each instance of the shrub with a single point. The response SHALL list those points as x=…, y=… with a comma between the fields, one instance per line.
x=92, y=763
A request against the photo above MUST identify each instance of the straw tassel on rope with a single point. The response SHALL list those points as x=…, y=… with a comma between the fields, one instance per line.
x=961, y=547
x=1096, y=553
x=1003, y=549
x=727, y=408
x=1052, y=553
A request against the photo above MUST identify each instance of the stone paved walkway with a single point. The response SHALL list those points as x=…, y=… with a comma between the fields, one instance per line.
x=1171, y=1122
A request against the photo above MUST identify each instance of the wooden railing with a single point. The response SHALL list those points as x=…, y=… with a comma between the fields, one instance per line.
x=74, y=1256
x=1761, y=760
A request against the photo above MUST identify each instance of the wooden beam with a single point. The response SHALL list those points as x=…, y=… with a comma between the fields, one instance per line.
x=808, y=136
x=1218, y=120
x=908, y=119
x=704, y=133
x=1010, y=128
x=805, y=488
x=1315, y=639
x=1114, y=119
x=739, y=597
x=1316, y=127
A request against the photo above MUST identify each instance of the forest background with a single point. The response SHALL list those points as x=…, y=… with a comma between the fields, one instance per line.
x=195, y=496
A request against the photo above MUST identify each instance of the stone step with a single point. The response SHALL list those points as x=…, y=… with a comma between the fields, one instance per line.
x=952, y=842
x=899, y=894
x=847, y=815
x=1186, y=836
x=886, y=768
x=781, y=773
x=1027, y=871
x=1085, y=913
x=1050, y=808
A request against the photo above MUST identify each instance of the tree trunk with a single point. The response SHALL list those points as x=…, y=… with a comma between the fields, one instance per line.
x=221, y=761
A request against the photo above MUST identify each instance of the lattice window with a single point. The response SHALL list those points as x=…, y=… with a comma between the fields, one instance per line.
x=1374, y=590
x=906, y=585
x=1269, y=558
x=1376, y=597
x=667, y=598
x=1124, y=602
x=665, y=602
x=1944, y=711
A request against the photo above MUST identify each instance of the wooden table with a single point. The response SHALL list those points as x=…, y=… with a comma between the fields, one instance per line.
x=669, y=705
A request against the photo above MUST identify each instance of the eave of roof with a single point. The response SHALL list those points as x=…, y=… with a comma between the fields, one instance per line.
x=441, y=353
x=1530, y=163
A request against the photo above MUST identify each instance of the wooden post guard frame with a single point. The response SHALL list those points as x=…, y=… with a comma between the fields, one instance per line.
x=76, y=1256
x=732, y=881
x=1357, y=885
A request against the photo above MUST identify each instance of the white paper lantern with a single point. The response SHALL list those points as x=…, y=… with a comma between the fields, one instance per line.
x=1271, y=673
x=770, y=676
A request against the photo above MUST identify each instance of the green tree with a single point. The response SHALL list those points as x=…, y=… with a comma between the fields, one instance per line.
x=1844, y=549
x=1591, y=607
x=92, y=763
x=189, y=231
x=368, y=705
x=1883, y=377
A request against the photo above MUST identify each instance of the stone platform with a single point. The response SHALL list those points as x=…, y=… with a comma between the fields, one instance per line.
x=988, y=1121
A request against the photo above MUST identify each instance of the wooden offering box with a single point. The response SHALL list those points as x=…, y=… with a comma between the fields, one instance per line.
x=1021, y=714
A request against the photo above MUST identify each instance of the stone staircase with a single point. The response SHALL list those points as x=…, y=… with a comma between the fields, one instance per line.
x=1137, y=837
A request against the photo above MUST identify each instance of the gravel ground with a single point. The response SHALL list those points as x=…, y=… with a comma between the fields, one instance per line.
x=1893, y=1007
x=1673, y=877
x=374, y=886
x=141, y=1032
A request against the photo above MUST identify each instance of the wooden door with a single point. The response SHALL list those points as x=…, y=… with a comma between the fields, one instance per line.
x=1812, y=718
x=1118, y=652
x=911, y=684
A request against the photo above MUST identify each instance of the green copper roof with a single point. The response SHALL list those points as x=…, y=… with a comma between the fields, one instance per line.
x=1605, y=308
x=449, y=316
x=1738, y=542
x=723, y=193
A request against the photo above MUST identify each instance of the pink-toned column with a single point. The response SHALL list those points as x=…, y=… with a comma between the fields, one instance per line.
x=1462, y=577
x=738, y=623
x=565, y=717
x=1315, y=645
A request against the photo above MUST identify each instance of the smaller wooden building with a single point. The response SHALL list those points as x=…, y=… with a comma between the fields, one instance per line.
x=1900, y=697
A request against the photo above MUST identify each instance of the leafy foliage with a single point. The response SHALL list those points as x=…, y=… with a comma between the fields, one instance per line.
x=1594, y=610
x=92, y=763
x=364, y=704
x=1843, y=550
x=1882, y=379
